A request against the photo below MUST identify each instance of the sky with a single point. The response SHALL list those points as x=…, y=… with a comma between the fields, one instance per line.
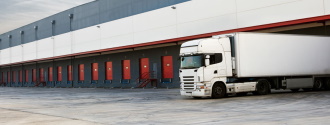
x=17, y=13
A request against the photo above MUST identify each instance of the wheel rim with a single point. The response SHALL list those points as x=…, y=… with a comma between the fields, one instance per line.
x=318, y=84
x=218, y=90
x=262, y=86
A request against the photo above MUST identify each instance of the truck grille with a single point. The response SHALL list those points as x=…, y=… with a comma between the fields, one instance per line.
x=188, y=82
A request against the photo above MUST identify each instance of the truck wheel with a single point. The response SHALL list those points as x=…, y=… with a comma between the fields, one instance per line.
x=327, y=84
x=262, y=87
x=318, y=84
x=218, y=90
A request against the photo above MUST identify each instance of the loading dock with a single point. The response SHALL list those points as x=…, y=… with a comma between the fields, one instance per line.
x=50, y=74
x=81, y=74
x=34, y=75
x=69, y=71
x=95, y=71
x=59, y=74
x=126, y=69
x=108, y=68
x=144, y=68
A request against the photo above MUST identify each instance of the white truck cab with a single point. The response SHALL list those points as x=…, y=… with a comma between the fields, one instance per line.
x=205, y=66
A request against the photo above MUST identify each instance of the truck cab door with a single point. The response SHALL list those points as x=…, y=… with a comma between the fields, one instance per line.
x=217, y=67
x=210, y=72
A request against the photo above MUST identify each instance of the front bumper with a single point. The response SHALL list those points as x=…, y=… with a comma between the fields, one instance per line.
x=196, y=93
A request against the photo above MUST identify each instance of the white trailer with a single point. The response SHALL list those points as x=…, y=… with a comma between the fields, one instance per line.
x=254, y=62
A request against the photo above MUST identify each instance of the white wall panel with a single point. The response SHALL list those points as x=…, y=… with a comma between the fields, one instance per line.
x=219, y=23
x=245, y=5
x=62, y=45
x=5, y=56
x=16, y=54
x=155, y=34
x=86, y=39
x=117, y=41
x=154, y=19
x=45, y=48
x=203, y=9
x=281, y=12
x=327, y=7
x=112, y=33
x=29, y=51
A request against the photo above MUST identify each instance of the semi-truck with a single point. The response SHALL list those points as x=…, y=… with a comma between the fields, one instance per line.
x=244, y=62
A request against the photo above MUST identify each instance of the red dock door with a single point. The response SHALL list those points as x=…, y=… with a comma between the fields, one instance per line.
x=59, y=73
x=81, y=69
x=144, y=68
x=126, y=69
x=20, y=76
x=26, y=75
x=108, y=69
x=8, y=77
x=167, y=67
x=69, y=73
x=14, y=76
x=50, y=74
x=2, y=78
x=34, y=75
x=41, y=75
x=95, y=71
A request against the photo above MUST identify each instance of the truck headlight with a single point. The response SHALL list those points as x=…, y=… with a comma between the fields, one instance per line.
x=200, y=87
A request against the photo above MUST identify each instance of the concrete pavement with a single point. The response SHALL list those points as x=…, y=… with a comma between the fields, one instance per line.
x=85, y=106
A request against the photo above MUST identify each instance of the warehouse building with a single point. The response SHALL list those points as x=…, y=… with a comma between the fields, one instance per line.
x=135, y=43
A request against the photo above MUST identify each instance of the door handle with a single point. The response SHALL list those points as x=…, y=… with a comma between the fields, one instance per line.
x=215, y=71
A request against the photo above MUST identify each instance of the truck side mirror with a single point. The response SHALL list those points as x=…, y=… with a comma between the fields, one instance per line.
x=207, y=60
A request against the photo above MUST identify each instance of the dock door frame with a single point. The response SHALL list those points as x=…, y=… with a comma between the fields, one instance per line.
x=81, y=72
x=59, y=74
x=167, y=67
x=108, y=69
x=144, y=68
x=95, y=71
x=126, y=69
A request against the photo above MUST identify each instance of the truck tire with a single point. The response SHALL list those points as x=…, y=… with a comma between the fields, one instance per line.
x=318, y=84
x=327, y=84
x=262, y=87
x=218, y=90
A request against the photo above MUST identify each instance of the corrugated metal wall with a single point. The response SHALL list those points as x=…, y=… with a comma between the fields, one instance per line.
x=86, y=15
x=4, y=41
x=44, y=28
x=17, y=39
x=29, y=33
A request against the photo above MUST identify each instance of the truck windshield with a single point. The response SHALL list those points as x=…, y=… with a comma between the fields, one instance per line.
x=190, y=62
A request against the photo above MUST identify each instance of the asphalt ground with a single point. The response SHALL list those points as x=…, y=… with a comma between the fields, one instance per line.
x=85, y=106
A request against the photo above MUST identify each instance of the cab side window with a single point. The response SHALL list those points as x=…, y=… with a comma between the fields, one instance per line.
x=216, y=58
